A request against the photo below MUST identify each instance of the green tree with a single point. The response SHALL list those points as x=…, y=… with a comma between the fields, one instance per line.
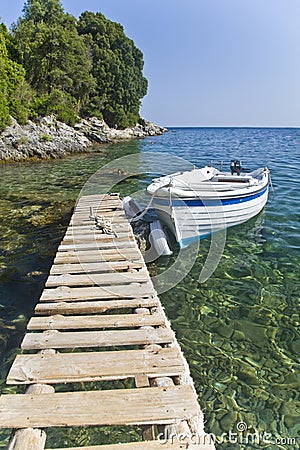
x=117, y=67
x=89, y=67
x=54, y=55
x=14, y=91
x=4, y=109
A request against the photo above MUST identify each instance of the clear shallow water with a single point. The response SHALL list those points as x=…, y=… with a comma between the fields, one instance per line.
x=239, y=330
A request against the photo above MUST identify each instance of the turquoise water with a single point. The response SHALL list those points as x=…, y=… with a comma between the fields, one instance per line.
x=239, y=330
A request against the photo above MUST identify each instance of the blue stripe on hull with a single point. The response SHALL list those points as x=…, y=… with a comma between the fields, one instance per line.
x=183, y=243
x=214, y=202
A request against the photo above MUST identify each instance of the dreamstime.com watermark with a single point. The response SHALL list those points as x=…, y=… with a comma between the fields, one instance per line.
x=241, y=435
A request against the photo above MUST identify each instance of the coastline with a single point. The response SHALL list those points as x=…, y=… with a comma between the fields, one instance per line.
x=48, y=138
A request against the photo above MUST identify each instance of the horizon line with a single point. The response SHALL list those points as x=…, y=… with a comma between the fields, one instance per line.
x=235, y=126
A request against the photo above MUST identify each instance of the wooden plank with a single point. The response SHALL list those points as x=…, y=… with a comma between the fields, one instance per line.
x=89, y=222
x=99, y=202
x=81, y=223
x=85, y=228
x=113, y=407
x=65, y=293
x=89, y=339
x=102, y=252
x=27, y=439
x=117, y=218
x=95, y=267
x=101, y=206
x=95, y=366
x=99, y=239
x=116, y=244
x=93, y=307
x=82, y=230
x=30, y=438
x=100, y=279
x=101, y=210
x=92, y=197
x=172, y=444
x=103, y=198
x=94, y=255
x=60, y=322
x=96, y=236
x=85, y=213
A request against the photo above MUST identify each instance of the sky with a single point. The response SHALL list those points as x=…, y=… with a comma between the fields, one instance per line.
x=209, y=62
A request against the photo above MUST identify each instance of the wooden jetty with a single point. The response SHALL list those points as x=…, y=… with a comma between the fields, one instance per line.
x=99, y=319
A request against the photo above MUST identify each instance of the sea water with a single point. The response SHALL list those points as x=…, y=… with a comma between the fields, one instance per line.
x=239, y=330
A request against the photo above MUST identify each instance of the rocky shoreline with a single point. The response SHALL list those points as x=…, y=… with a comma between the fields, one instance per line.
x=48, y=138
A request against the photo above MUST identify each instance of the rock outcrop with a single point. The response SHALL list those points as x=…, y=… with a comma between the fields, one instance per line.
x=49, y=138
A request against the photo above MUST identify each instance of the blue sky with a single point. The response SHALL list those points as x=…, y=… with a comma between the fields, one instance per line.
x=209, y=62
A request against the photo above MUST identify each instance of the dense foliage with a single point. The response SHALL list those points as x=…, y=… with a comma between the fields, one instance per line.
x=117, y=67
x=53, y=64
x=14, y=91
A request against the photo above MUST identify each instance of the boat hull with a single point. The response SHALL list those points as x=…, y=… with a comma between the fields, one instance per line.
x=192, y=219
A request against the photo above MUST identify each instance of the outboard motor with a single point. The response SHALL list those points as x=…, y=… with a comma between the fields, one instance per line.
x=235, y=167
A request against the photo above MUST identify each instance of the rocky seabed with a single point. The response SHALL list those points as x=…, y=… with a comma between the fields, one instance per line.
x=48, y=138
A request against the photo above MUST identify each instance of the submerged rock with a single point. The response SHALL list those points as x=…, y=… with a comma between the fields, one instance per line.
x=49, y=138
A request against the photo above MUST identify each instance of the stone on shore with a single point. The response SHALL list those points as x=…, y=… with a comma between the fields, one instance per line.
x=49, y=138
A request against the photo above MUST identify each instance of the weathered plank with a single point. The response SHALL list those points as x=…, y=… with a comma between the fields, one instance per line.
x=113, y=407
x=100, y=279
x=95, y=267
x=89, y=339
x=95, y=366
x=60, y=322
x=85, y=228
x=30, y=438
x=100, y=205
x=94, y=255
x=98, y=202
x=84, y=213
x=64, y=293
x=103, y=211
x=96, y=236
x=114, y=243
x=96, y=197
x=94, y=307
x=116, y=218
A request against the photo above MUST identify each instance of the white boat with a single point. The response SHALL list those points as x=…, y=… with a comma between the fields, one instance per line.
x=196, y=203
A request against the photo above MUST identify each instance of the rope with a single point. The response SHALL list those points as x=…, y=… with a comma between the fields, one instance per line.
x=104, y=225
x=140, y=215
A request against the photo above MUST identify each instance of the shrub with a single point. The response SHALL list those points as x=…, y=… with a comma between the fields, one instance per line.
x=45, y=138
x=22, y=140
